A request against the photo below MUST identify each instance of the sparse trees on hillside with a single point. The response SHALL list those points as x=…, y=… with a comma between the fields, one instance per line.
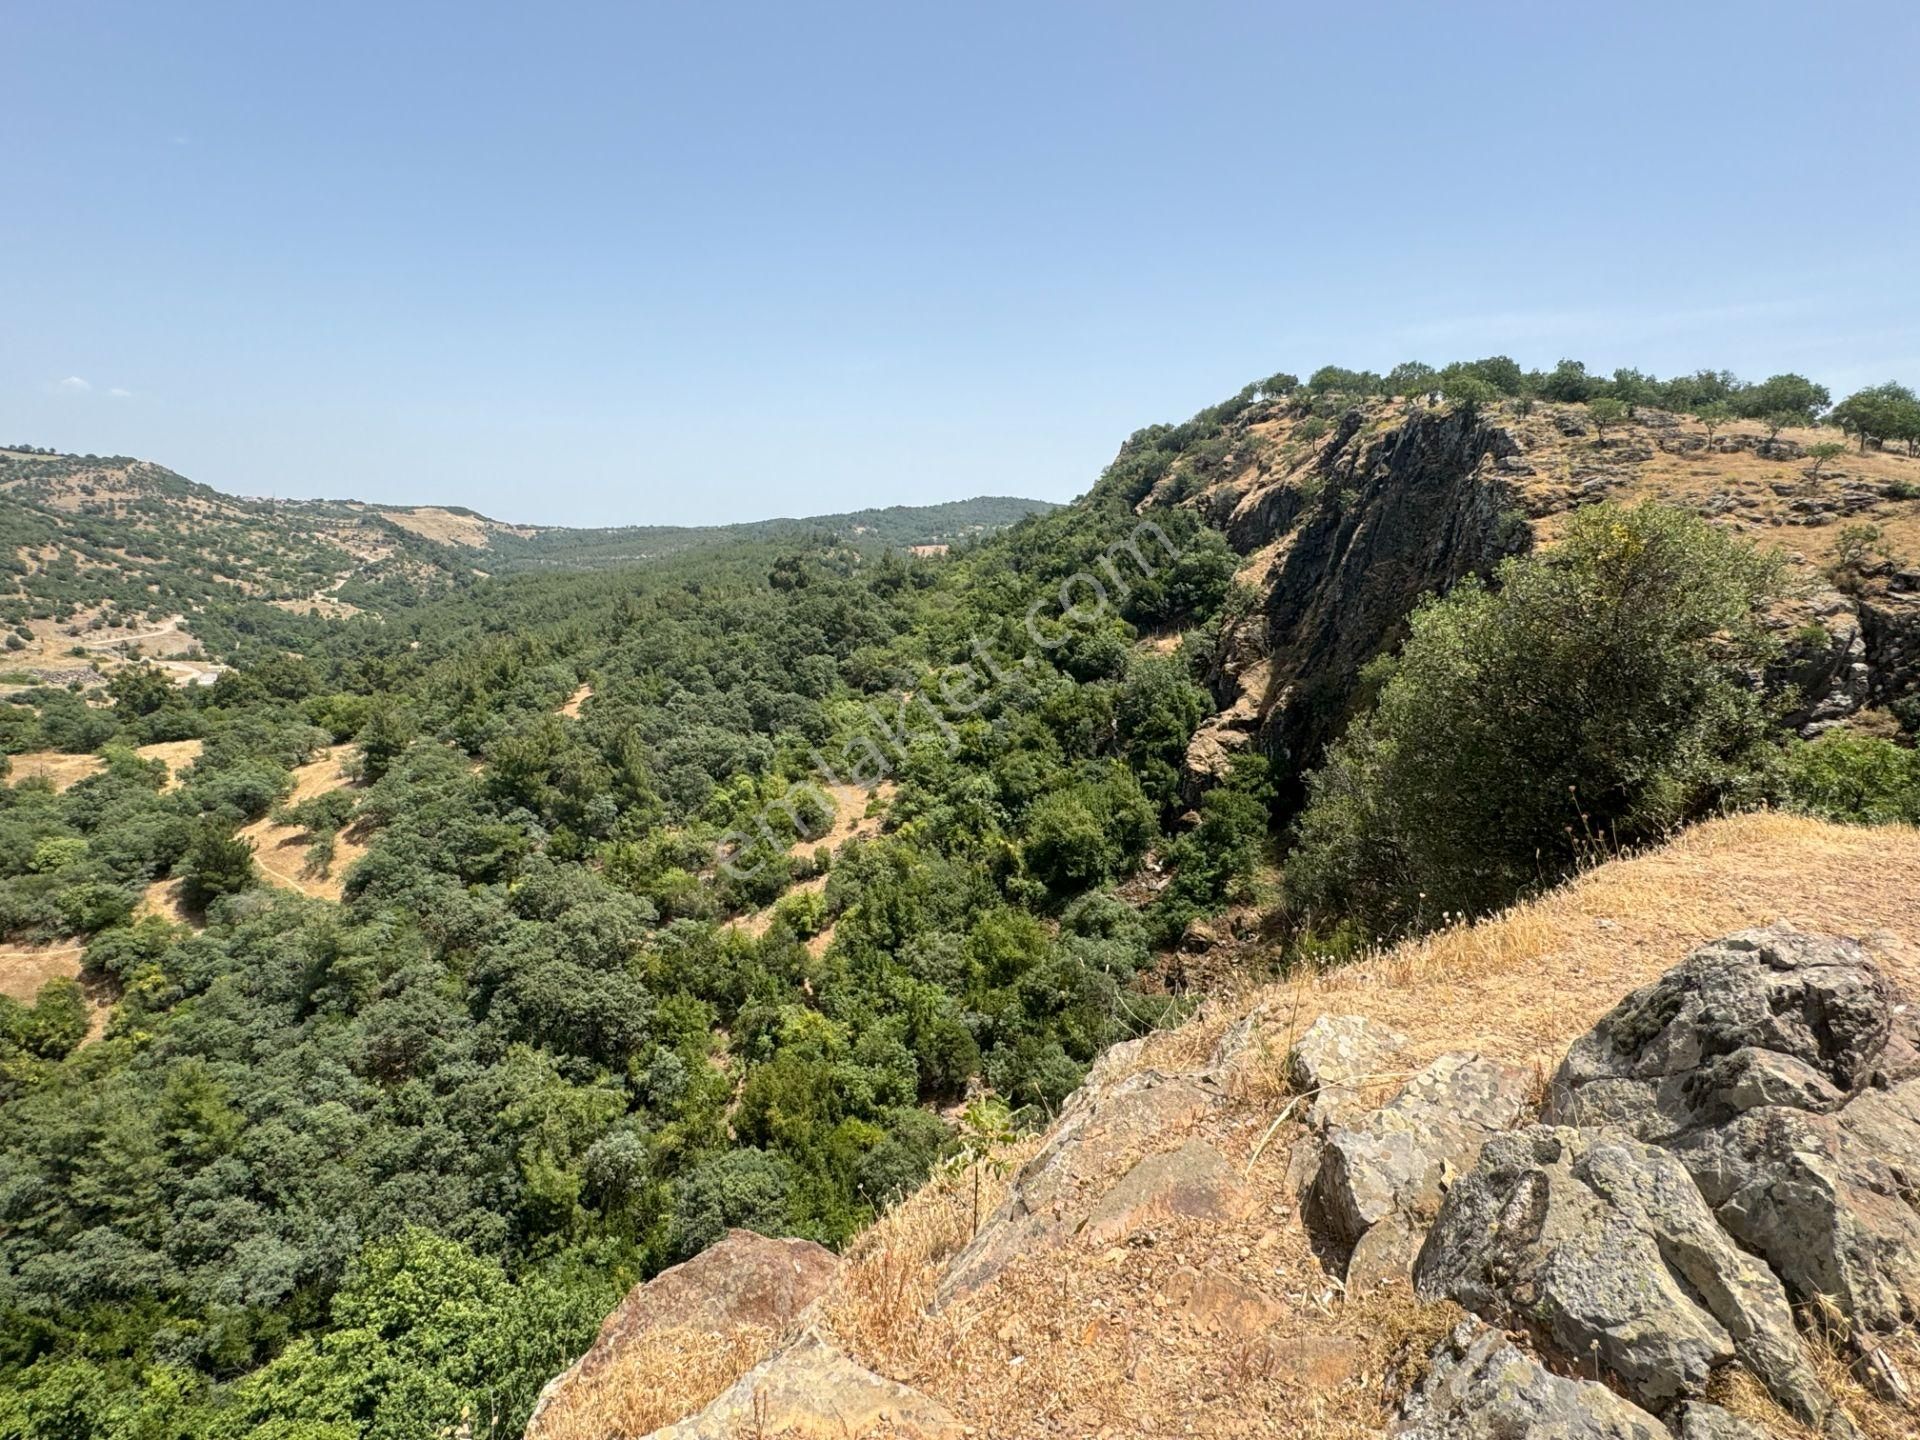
x=1879, y=413
x=1605, y=411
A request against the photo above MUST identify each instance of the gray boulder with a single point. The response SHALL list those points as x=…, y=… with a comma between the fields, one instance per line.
x=1399, y=1158
x=1603, y=1249
x=1479, y=1386
x=1334, y=1062
x=1783, y=1069
x=1765, y=1017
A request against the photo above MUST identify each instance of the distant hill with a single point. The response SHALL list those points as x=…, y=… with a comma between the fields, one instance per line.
x=98, y=547
x=901, y=526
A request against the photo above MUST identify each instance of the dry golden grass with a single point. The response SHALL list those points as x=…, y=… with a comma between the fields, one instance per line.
x=280, y=850
x=1522, y=985
x=1738, y=1391
x=177, y=755
x=57, y=768
x=1086, y=1342
x=442, y=526
x=25, y=968
x=661, y=1377
x=167, y=899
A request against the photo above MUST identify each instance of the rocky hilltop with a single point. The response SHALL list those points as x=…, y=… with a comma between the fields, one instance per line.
x=1344, y=525
x=1613, y=1164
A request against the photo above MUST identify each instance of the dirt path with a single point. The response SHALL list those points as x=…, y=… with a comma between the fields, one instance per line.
x=850, y=822
x=281, y=850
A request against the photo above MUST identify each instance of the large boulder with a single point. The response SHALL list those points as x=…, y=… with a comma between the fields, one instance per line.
x=1783, y=1069
x=810, y=1391
x=1764, y=1017
x=1479, y=1386
x=1102, y=1133
x=1398, y=1159
x=742, y=1281
x=1333, y=1064
x=1604, y=1250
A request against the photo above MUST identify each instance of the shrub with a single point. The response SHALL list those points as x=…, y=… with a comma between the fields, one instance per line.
x=1854, y=778
x=1597, y=695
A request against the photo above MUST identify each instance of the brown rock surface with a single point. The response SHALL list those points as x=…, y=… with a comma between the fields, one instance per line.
x=744, y=1282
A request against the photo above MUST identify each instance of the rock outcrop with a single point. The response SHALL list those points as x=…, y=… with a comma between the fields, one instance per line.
x=1345, y=533
x=1784, y=1072
x=1381, y=520
x=1102, y=1128
x=1478, y=1386
x=1336, y=1060
x=810, y=1391
x=1603, y=1248
x=743, y=1280
x=1382, y=1176
x=1737, y=1138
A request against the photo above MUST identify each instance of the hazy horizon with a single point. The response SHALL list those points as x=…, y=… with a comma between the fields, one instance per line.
x=647, y=266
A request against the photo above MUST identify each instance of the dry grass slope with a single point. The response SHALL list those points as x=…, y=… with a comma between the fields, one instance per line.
x=1113, y=1343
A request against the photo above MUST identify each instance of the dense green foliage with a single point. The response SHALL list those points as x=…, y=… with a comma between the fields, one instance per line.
x=1595, y=698
x=360, y=1169
x=1867, y=780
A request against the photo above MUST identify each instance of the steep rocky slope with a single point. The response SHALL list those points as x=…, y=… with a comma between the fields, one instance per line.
x=1222, y=1233
x=1343, y=532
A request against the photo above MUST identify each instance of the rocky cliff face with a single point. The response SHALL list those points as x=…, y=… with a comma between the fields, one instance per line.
x=1343, y=534
x=1347, y=545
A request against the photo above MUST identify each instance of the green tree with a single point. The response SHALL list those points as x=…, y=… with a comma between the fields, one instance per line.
x=1713, y=416
x=1791, y=395
x=1879, y=412
x=1469, y=391
x=1604, y=411
x=217, y=863
x=1596, y=696
x=1820, y=454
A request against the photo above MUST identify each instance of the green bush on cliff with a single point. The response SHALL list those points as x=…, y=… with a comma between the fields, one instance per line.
x=1593, y=697
x=1854, y=778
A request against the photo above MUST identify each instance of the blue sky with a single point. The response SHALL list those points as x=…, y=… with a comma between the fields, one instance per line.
x=644, y=263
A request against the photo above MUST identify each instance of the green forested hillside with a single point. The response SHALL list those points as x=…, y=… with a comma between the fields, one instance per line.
x=594, y=989
x=335, y=1168
x=948, y=523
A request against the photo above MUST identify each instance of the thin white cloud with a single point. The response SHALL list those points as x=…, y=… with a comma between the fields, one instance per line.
x=73, y=385
x=120, y=394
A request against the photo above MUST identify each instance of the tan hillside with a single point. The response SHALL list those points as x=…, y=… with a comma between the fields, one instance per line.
x=1210, y=1307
